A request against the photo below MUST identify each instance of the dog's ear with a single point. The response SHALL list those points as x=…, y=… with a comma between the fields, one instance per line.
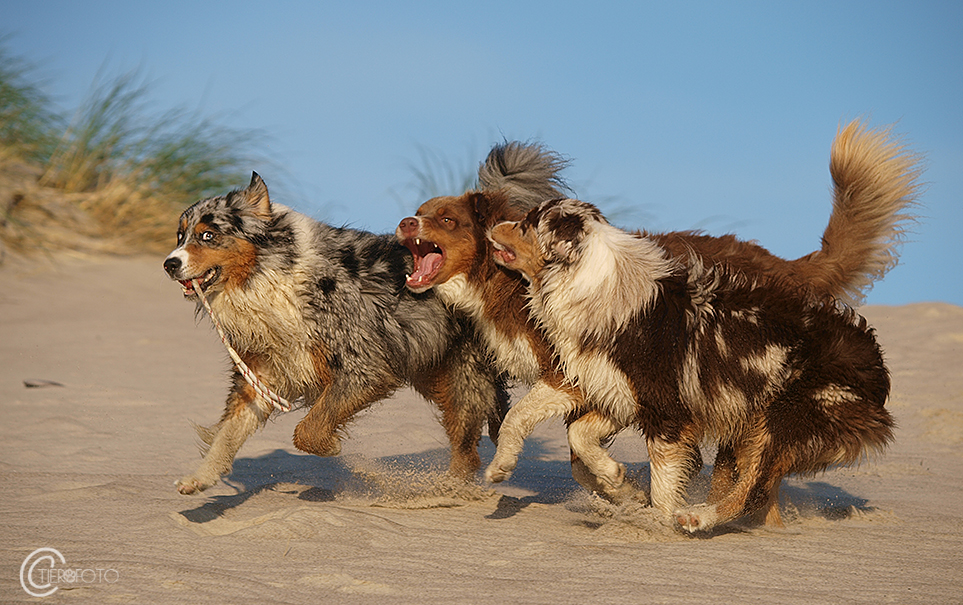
x=560, y=230
x=480, y=203
x=493, y=207
x=487, y=207
x=257, y=197
x=564, y=250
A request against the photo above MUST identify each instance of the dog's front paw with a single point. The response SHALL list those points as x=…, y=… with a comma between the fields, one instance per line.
x=696, y=518
x=193, y=484
x=500, y=470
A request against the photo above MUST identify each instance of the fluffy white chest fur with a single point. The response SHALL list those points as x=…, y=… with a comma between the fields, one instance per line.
x=512, y=355
x=613, y=280
x=266, y=318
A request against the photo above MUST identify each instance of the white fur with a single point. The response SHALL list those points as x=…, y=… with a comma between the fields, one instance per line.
x=698, y=517
x=772, y=362
x=265, y=318
x=668, y=477
x=614, y=279
x=835, y=395
x=180, y=254
x=540, y=404
x=585, y=437
x=606, y=385
x=512, y=355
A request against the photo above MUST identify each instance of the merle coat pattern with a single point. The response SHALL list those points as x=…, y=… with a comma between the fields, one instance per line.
x=321, y=314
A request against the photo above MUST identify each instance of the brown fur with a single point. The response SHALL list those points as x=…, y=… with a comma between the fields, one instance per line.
x=865, y=226
x=786, y=384
x=456, y=225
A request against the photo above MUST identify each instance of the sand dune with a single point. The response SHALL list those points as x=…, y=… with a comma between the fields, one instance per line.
x=119, y=366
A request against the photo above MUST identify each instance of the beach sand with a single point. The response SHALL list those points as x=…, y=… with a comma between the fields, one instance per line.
x=88, y=466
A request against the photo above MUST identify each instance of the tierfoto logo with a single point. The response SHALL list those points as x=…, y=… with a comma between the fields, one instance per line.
x=40, y=576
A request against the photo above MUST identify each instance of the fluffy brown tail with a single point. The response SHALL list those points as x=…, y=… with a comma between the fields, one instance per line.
x=527, y=172
x=875, y=186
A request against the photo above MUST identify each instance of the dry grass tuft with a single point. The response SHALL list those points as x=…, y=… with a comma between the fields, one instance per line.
x=115, y=176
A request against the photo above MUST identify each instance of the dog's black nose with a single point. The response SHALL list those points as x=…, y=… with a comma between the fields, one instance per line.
x=171, y=265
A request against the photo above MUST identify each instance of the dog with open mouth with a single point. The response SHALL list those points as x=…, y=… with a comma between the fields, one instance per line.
x=688, y=352
x=452, y=258
x=321, y=315
x=874, y=189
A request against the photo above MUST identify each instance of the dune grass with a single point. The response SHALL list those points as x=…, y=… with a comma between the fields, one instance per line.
x=437, y=175
x=26, y=123
x=116, y=174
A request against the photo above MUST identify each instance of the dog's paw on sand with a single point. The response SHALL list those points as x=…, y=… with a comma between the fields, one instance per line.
x=500, y=469
x=696, y=518
x=193, y=484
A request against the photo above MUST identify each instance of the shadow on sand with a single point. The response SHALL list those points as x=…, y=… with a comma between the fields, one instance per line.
x=548, y=481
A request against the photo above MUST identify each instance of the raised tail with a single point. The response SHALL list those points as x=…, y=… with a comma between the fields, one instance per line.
x=875, y=188
x=527, y=172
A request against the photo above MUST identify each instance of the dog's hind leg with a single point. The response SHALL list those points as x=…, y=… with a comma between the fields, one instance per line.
x=468, y=393
x=318, y=431
x=673, y=463
x=756, y=490
x=724, y=473
x=769, y=514
x=243, y=414
x=592, y=466
x=544, y=401
x=496, y=416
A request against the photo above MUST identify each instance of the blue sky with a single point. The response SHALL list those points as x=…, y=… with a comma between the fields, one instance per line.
x=675, y=115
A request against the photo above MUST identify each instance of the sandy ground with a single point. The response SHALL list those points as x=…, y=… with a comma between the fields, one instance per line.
x=88, y=469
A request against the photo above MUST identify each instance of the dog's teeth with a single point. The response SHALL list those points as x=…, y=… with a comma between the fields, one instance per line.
x=417, y=241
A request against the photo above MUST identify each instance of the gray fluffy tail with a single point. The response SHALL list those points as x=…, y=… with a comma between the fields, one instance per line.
x=527, y=172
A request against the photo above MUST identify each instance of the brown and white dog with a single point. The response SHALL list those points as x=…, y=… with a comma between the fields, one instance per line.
x=453, y=257
x=874, y=187
x=691, y=352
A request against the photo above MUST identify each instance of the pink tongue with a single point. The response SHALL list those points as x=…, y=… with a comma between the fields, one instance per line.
x=426, y=269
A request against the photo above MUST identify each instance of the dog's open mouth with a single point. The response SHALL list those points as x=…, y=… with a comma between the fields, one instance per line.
x=428, y=257
x=503, y=254
x=203, y=281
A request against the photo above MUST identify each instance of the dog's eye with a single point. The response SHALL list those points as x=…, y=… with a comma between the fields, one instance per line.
x=208, y=236
x=180, y=237
x=448, y=221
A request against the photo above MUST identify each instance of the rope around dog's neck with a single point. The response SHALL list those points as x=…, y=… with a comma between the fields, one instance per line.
x=280, y=403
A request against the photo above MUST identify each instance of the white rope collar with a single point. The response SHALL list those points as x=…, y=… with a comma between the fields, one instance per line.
x=265, y=392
